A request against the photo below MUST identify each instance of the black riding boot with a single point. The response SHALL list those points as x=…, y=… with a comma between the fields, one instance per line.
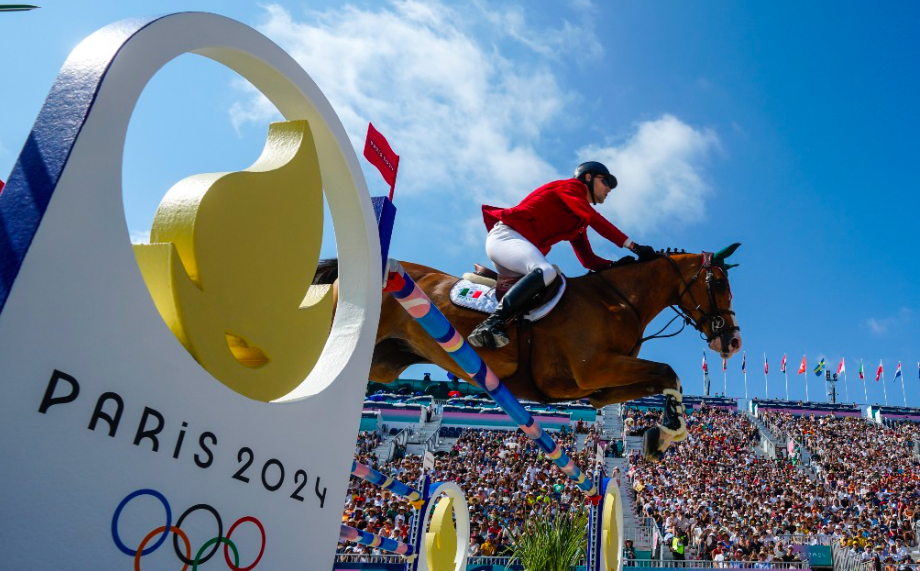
x=491, y=332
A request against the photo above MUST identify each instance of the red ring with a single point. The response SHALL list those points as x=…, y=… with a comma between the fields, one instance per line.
x=258, y=524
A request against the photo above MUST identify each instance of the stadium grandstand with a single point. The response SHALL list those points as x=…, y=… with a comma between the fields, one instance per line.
x=772, y=485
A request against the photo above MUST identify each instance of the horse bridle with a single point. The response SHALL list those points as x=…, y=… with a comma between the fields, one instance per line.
x=714, y=315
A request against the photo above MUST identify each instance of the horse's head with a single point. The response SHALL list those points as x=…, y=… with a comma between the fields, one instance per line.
x=706, y=299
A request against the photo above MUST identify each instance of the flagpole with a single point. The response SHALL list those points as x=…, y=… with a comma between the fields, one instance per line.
x=745, y=387
x=766, y=381
x=845, y=385
x=902, y=386
x=865, y=392
x=807, y=398
x=885, y=388
x=704, y=372
x=724, y=380
x=785, y=374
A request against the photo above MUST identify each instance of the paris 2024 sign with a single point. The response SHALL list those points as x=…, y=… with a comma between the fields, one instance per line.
x=183, y=404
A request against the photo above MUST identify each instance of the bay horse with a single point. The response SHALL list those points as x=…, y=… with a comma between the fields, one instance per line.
x=588, y=346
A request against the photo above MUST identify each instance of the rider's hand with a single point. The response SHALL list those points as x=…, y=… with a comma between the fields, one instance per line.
x=644, y=252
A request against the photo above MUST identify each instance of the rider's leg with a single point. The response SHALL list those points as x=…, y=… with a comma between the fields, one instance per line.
x=491, y=332
x=511, y=252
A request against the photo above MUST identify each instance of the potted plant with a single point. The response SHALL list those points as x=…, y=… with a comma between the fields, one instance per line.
x=551, y=542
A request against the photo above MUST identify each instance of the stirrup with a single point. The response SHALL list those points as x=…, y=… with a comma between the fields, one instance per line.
x=489, y=335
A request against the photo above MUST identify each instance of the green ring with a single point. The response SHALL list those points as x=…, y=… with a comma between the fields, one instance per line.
x=210, y=542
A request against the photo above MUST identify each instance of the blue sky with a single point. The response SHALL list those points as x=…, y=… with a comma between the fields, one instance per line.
x=789, y=127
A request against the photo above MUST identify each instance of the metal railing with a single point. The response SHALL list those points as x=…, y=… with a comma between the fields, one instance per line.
x=702, y=564
x=434, y=438
x=503, y=561
x=643, y=534
x=847, y=560
x=401, y=438
x=368, y=558
x=807, y=539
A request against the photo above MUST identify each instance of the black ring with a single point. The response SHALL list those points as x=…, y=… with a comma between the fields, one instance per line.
x=220, y=533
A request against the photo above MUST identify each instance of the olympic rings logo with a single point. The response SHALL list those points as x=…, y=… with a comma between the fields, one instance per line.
x=204, y=554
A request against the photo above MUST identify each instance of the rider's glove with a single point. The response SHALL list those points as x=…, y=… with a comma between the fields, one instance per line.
x=644, y=252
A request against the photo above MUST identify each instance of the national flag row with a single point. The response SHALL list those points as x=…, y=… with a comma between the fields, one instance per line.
x=819, y=368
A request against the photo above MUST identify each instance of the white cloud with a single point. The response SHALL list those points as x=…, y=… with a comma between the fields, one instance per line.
x=458, y=112
x=660, y=169
x=881, y=325
x=467, y=113
x=140, y=236
x=569, y=40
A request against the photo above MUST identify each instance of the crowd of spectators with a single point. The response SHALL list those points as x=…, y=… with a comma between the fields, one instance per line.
x=506, y=477
x=870, y=476
x=733, y=503
x=636, y=421
x=714, y=493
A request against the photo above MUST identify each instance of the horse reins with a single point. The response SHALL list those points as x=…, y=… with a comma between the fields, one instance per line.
x=714, y=316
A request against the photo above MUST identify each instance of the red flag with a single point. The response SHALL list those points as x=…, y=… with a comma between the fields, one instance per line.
x=723, y=364
x=766, y=368
x=841, y=368
x=782, y=367
x=878, y=374
x=378, y=152
x=705, y=368
x=2, y=184
x=803, y=366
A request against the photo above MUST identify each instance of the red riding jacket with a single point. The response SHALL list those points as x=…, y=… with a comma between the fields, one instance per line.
x=555, y=212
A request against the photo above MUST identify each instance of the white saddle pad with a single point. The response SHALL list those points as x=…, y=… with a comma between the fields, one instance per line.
x=482, y=298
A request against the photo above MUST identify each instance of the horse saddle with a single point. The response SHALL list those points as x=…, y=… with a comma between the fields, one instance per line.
x=483, y=289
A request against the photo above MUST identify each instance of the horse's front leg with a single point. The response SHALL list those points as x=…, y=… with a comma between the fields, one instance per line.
x=620, y=378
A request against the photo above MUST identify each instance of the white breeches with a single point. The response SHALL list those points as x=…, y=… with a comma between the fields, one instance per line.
x=514, y=255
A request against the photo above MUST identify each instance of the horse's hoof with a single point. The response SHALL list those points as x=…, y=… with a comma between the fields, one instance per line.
x=673, y=425
x=675, y=434
x=650, y=442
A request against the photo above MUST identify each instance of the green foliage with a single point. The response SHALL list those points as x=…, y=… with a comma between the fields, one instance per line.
x=552, y=543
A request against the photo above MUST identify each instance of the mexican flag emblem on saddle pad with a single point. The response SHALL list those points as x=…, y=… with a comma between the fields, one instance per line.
x=478, y=297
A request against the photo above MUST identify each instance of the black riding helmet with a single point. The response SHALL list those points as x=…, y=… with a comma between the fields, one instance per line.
x=595, y=168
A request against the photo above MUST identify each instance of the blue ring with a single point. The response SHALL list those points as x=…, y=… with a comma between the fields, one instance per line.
x=145, y=492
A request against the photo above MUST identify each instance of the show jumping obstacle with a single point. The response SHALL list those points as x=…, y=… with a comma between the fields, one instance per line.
x=420, y=307
x=436, y=553
x=368, y=474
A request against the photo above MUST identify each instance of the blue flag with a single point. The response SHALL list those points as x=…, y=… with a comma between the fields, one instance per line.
x=743, y=362
x=819, y=369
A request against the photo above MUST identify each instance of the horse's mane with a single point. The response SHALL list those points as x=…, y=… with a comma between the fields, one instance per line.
x=629, y=261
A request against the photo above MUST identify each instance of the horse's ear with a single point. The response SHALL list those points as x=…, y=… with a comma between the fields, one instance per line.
x=730, y=266
x=725, y=252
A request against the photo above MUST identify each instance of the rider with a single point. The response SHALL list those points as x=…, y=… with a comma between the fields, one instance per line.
x=521, y=236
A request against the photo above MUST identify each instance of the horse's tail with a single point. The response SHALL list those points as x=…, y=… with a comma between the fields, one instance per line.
x=326, y=272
